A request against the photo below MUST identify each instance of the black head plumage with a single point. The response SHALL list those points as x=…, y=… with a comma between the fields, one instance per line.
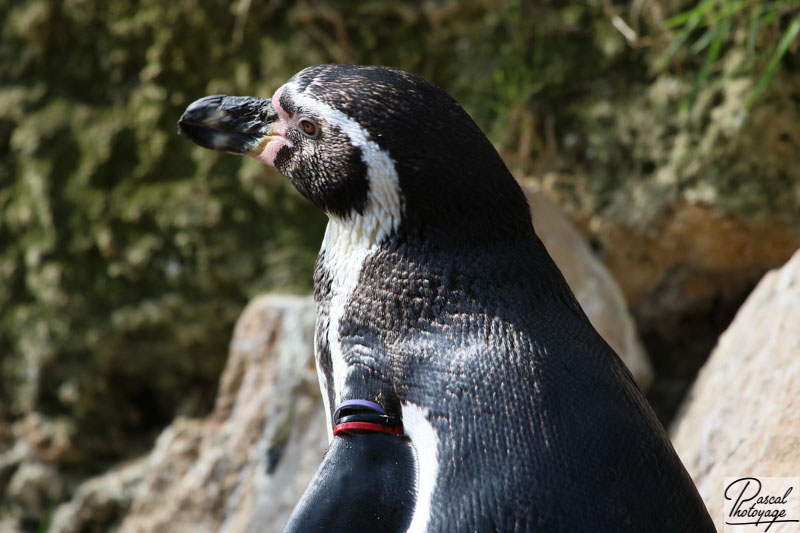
x=452, y=184
x=451, y=178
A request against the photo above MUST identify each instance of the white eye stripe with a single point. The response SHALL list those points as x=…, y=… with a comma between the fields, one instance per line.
x=384, y=198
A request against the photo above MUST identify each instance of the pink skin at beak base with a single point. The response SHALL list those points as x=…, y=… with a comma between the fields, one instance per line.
x=277, y=135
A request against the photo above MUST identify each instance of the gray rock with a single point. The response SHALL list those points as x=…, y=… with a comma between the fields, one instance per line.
x=33, y=486
x=245, y=465
x=742, y=416
x=99, y=502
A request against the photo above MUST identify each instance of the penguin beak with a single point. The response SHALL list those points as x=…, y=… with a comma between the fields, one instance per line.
x=234, y=124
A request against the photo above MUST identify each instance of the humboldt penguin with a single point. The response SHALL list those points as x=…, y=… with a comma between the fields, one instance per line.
x=465, y=389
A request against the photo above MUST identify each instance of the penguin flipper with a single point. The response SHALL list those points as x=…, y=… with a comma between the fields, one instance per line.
x=365, y=483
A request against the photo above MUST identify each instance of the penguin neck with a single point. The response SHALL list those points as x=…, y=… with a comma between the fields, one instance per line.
x=346, y=247
x=349, y=241
x=356, y=233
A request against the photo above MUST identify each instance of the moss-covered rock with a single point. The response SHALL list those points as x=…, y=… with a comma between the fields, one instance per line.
x=688, y=206
x=126, y=254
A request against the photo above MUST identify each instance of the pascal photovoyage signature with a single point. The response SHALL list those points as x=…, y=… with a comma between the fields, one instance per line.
x=750, y=507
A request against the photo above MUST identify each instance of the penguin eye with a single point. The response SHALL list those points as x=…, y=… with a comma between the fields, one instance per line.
x=308, y=127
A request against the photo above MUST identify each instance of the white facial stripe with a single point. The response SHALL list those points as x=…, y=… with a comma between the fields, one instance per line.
x=425, y=442
x=350, y=241
x=383, y=199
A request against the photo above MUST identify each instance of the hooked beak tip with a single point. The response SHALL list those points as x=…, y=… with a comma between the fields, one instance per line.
x=234, y=124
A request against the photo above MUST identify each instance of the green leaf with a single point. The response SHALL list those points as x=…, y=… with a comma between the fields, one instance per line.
x=695, y=14
x=788, y=36
x=755, y=25
x=718, y=37
x=676, y=44
x=702, y=43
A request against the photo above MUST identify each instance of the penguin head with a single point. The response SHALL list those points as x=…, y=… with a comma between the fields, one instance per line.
x=369, y=142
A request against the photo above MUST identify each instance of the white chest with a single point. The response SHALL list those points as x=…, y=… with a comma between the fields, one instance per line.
x=344, y=254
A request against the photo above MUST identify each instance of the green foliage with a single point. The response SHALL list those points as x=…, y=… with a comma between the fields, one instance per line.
x=127, y=254
x=769, y=28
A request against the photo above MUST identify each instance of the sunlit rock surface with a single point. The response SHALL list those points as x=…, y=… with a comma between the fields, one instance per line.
x=742, y=416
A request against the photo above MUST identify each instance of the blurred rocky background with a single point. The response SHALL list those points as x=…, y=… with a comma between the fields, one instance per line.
x=667, y=134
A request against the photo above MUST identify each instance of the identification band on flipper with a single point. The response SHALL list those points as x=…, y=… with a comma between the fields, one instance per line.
x=364, y=415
